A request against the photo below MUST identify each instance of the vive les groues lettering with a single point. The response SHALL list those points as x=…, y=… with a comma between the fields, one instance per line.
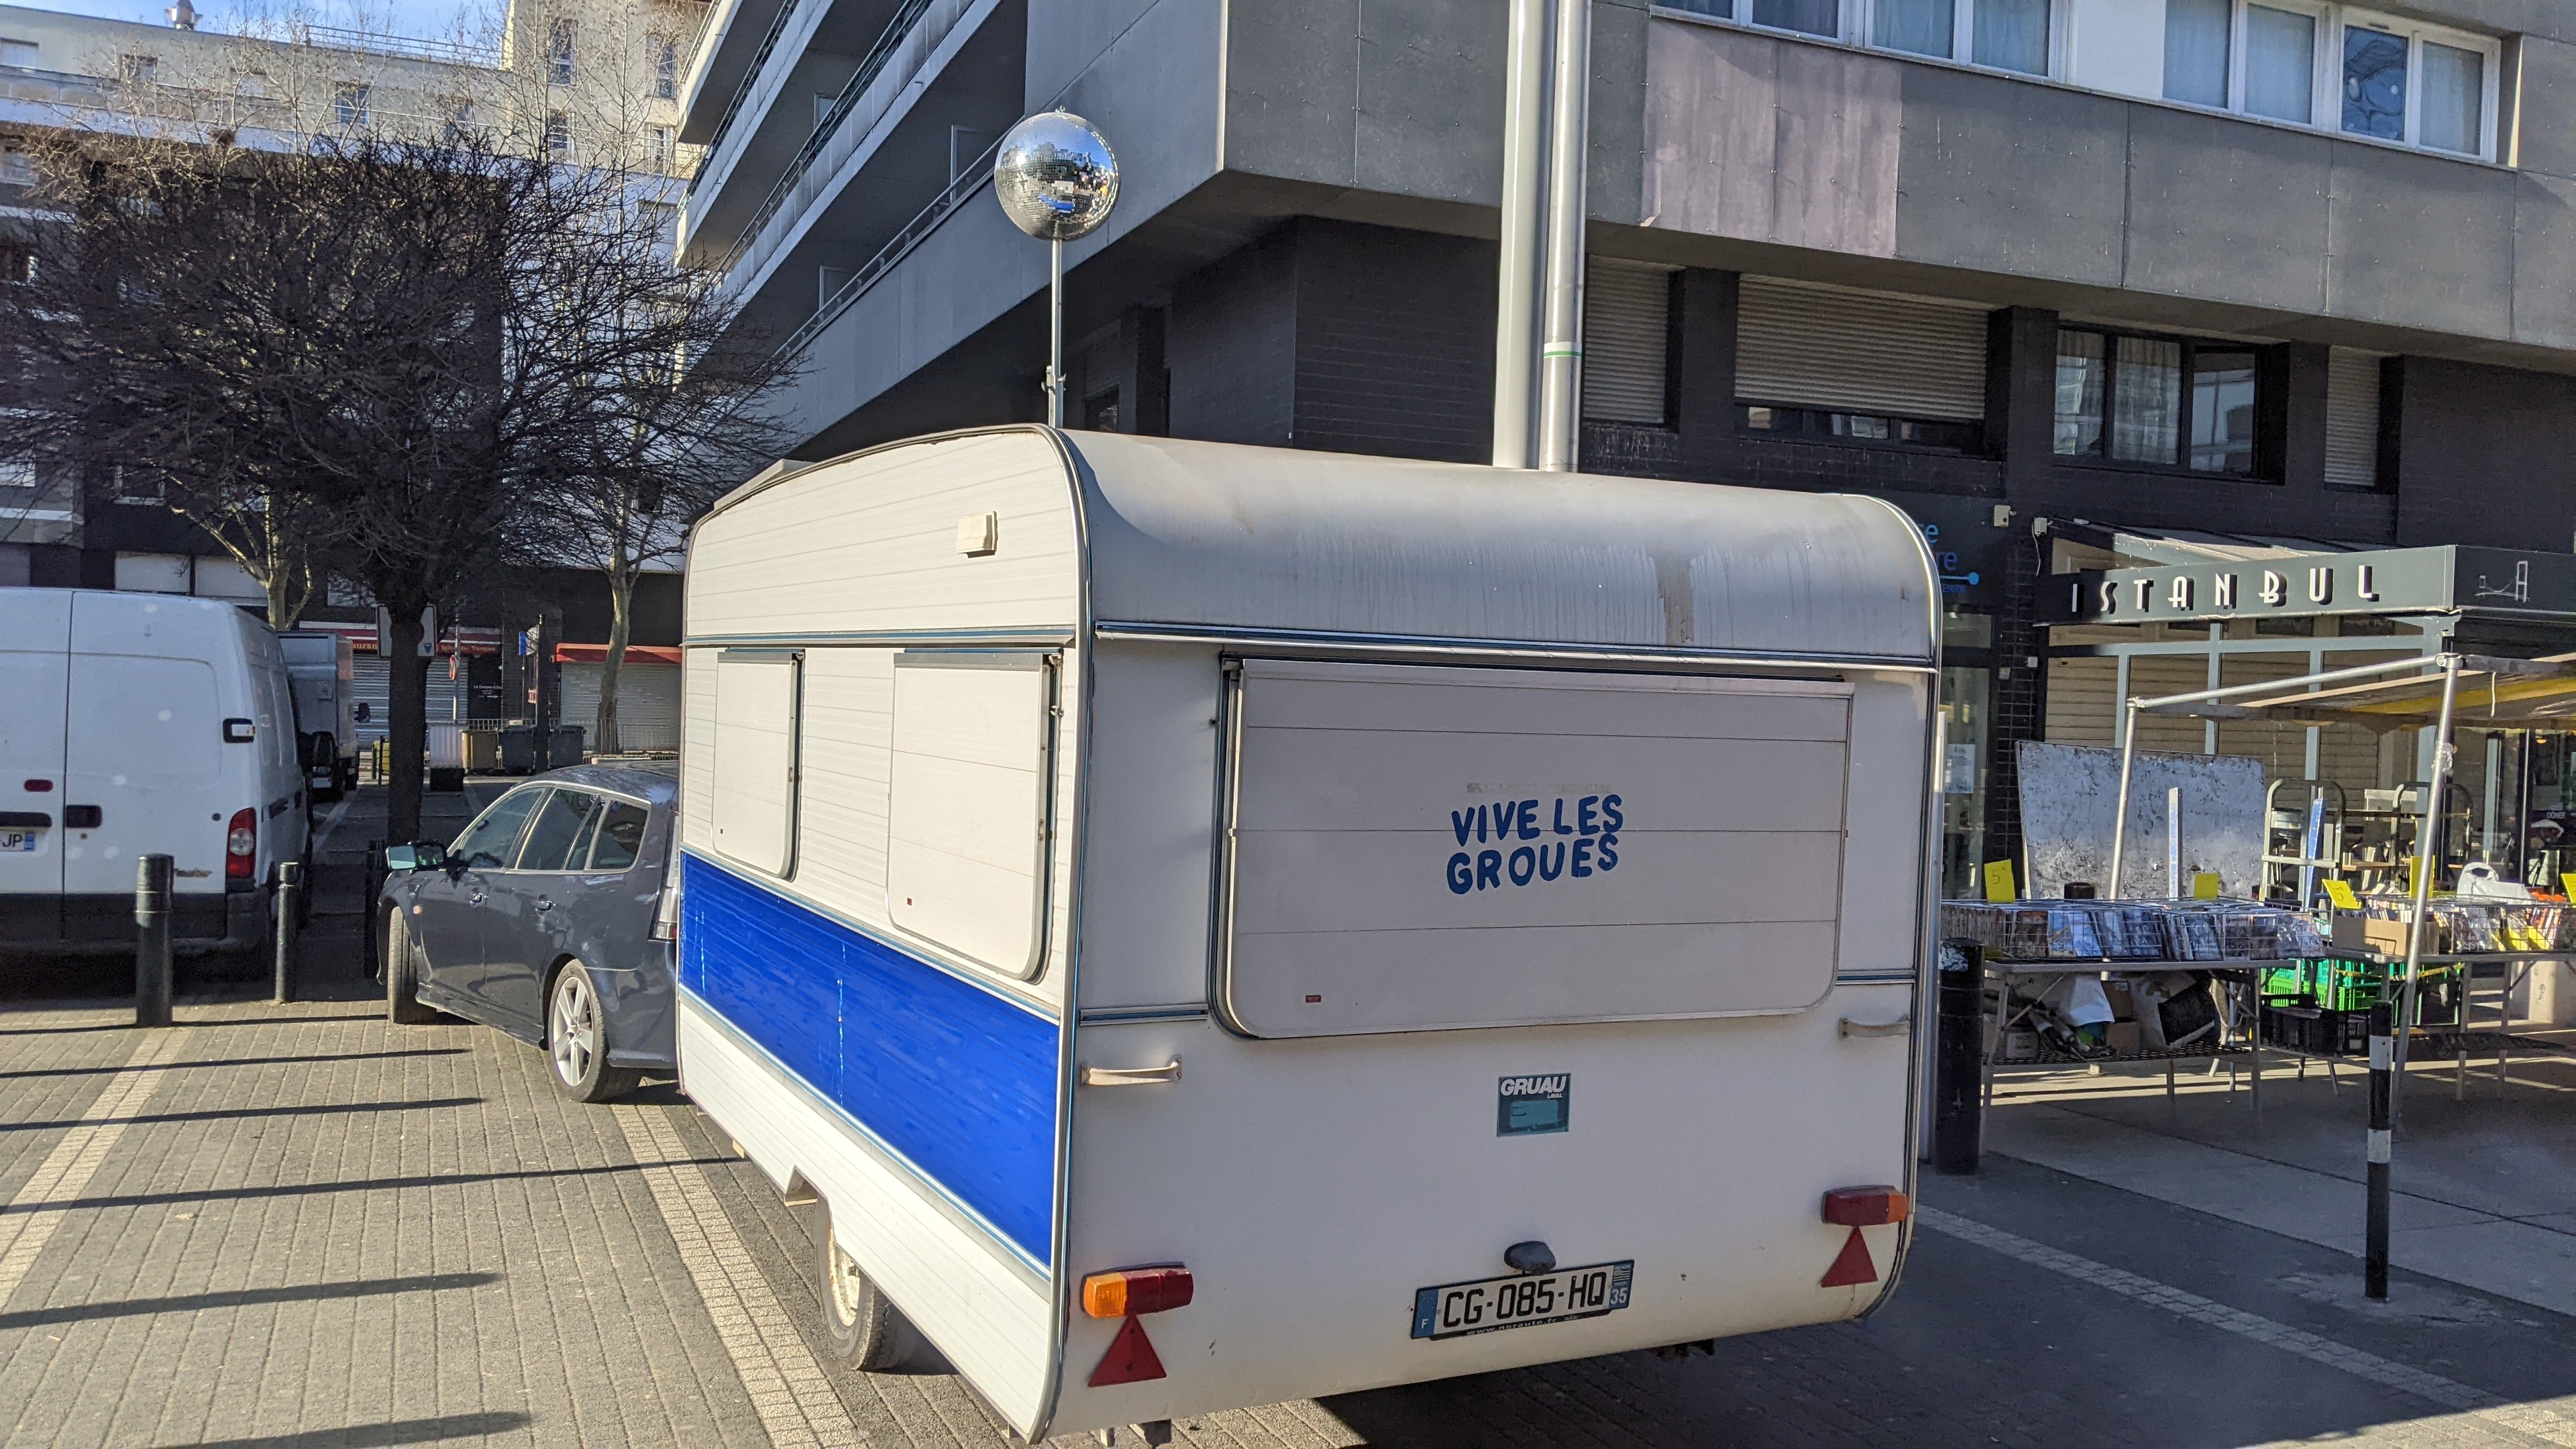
x=1572, y=848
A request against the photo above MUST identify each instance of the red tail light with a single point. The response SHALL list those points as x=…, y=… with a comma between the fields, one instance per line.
x=241, y=845
x=666, y=906
x=1866, y=1207
x=1136, y=1290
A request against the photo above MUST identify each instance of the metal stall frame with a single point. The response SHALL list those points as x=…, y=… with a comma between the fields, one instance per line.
x=2543, y=692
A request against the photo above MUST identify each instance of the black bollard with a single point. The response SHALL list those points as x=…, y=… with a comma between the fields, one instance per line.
x=152, y=883
x=2375, y=1260
x=290, y=884
x=1958, y=1121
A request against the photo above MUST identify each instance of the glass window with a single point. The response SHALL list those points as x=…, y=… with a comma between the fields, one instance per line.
x=2158, y=401
x=559, y=826
x=2280, y=64
x=2013, y=35
x=489, y=842
x=621, y=836
x=559, y=53
x=1924, y=27
x=2079, y=393
x=666, y=66
x=2222, y=412
x=2374, y=84
x=2453, y=114
x=1809, y=17
x=2146, y=402
x=2196, y=51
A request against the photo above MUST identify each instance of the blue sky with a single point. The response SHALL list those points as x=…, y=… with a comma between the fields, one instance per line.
x=424, y=19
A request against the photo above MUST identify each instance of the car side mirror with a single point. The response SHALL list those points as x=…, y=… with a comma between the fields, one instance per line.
x=419, y=855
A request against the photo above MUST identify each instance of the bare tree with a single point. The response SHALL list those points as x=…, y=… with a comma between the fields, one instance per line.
x=661, y=441
x=405, y=347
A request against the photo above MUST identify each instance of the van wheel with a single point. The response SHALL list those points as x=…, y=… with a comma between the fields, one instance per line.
x=401, y=1006
x=867, y=1331
x=577, y=1040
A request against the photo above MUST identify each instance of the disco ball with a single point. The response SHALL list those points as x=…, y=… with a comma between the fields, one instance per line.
x=1056, y=177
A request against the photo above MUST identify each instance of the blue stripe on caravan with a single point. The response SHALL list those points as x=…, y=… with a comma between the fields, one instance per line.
x=959, y=1081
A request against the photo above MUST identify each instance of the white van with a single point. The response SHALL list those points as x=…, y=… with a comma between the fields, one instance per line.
x=132, y=724
x=1207, y=925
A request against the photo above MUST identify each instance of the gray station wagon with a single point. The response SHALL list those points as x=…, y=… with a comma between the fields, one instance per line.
x=546, y=918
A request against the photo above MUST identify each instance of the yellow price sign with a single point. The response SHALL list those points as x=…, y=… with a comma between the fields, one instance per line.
x=2204, y=885
x=1999, y=881
x=2568, y=880
x=2340, y=892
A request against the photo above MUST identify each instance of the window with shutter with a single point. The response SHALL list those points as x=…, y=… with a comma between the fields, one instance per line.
x=1866, y=366
x=2352, y=418
x=1627, y=319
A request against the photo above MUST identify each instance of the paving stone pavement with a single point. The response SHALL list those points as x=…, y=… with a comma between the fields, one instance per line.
x=302, y=1226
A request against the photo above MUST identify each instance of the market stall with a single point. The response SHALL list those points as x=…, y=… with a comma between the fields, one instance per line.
x=2443, y=692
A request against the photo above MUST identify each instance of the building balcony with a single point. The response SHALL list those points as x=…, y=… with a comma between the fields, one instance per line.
x=927, y=107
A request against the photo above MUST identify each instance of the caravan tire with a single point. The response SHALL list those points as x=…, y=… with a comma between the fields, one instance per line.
x=867, y=1331
x=401, y=1006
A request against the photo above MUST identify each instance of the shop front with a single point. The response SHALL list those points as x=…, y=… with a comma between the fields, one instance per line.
x=2172, y=614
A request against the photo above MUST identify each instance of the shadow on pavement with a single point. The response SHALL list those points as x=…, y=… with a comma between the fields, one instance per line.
x=245, y=1297
x=360, y=1184
x=399, y=1431
x=307, y=1109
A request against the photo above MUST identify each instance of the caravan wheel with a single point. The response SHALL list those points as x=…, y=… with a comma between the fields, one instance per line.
x=867, y=1331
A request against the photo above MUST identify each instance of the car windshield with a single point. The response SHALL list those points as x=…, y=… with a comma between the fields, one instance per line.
x=621, y=837
x=557, y=832
x=486, y=843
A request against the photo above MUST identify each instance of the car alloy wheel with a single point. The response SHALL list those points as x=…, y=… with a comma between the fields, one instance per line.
x=577, y=1039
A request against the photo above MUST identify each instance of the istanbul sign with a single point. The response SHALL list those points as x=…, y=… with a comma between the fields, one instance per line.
x=2448, y=579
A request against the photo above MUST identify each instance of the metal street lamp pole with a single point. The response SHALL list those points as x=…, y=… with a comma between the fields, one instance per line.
x=1056, y=179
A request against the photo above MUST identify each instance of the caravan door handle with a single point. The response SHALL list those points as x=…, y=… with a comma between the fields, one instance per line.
x=1092, y=1076
x=1898, y=1027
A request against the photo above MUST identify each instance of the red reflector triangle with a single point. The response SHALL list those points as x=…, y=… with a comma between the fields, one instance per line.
x=1131, y=1357
x=1851, y=1266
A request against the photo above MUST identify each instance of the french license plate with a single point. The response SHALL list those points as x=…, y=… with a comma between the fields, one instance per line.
x=18, y=840
x=1454, y=1310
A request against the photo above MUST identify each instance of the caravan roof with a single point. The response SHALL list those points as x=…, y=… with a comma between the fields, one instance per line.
x=1215, y=539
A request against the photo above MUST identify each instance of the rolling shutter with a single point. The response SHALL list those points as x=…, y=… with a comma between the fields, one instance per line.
x=2083, y=701
x=1805, y=345
x=369, y=684
x=648, y=704
x=2352, y=418
x=1627, y=313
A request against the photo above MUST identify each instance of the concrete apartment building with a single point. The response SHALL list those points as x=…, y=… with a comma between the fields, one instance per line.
x=2078, y=283
x=594, y=81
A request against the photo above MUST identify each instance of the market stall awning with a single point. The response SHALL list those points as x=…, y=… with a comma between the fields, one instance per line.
x=2493, y=693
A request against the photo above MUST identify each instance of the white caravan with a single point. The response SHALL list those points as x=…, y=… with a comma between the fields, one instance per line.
x=131, y=724
x=1210, y=925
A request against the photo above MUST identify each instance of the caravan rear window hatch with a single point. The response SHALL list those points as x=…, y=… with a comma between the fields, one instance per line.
x=1417, y=847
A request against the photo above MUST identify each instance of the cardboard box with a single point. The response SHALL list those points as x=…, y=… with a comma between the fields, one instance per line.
x=2124, y=1038
x=2389, y=937
x=2351, y=931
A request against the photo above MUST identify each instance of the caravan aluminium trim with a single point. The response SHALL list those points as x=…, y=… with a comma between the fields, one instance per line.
x=1336, y=972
